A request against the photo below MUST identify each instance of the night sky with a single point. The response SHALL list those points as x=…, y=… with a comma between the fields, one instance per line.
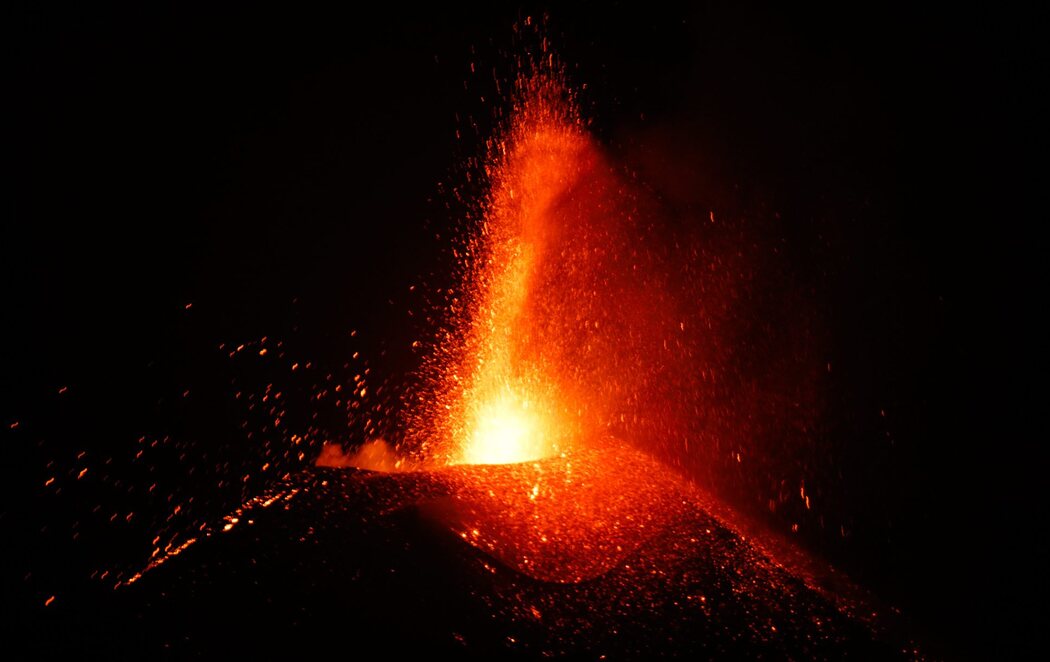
x=289, y=172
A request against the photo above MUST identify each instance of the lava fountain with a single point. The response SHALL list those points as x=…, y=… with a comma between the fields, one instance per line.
x=558, y=300
x=525, y=399
x=505, y=400
x=534, y=371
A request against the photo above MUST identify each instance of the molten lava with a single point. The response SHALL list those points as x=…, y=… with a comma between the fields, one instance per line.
x=503, y=429
x=501, y=396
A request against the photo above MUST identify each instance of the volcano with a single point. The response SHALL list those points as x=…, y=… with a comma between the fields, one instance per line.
x=597, y=554
x=340, y=333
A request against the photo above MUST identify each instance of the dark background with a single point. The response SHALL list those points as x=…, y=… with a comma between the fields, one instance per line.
x=286, y=171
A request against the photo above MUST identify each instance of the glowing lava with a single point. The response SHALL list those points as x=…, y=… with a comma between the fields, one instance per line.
x=501, y=398
x=504, y=429
x=565, y=519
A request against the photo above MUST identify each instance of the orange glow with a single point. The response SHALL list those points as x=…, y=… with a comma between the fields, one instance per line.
x=565, y=519
x=500, y=399
x=504, y=429
x=554, y=347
